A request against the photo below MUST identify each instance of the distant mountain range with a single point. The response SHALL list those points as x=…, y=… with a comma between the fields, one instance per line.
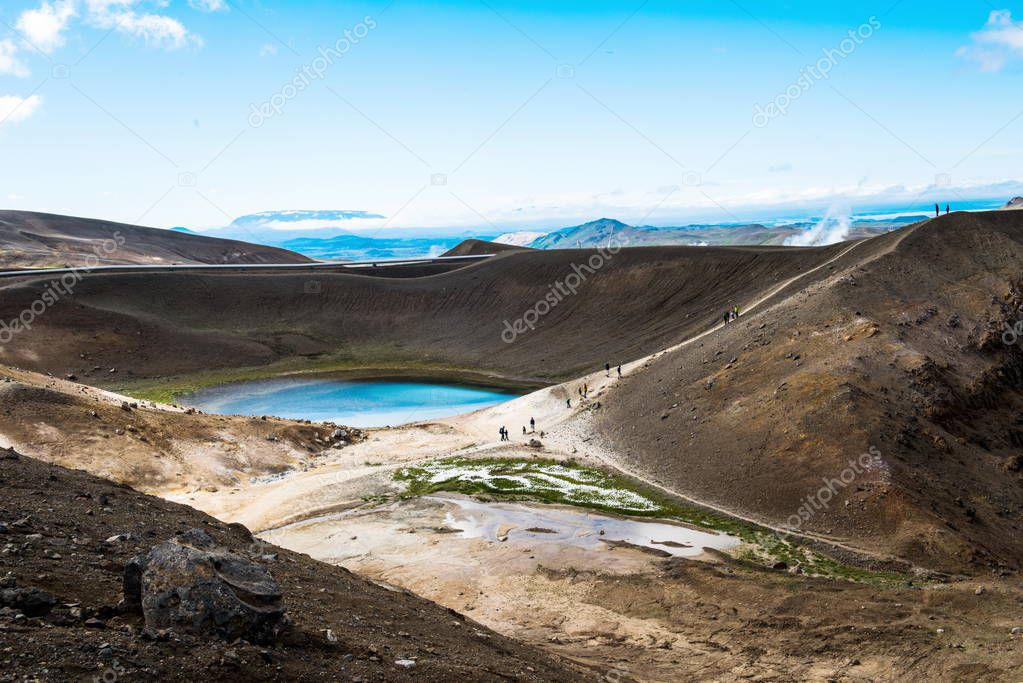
x=277, y=227
x=609, y=231
x=332, y=234
x=519, y=239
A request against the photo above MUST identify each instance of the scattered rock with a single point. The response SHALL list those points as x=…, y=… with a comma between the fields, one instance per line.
x=32, y=602
x=191, y=584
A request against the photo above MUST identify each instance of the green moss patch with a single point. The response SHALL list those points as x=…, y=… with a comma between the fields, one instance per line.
x=568, y=483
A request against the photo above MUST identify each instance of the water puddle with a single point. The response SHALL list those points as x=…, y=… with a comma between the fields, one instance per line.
x=587, y=530
x=398, y=531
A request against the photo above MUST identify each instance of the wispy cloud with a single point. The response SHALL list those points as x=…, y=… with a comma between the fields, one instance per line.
x=1000, y=41
x=156, y=30
x=208, y=5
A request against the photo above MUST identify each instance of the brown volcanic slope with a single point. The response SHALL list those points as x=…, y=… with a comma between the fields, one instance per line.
x=149, y=447
x=901, y=351
x=54, y=522
x=474, y=247
x=152, y=325
x=41, y=240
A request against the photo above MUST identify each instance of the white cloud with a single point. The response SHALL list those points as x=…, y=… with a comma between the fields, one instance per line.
x=43, y=27
x=999, y=41
x=14, y=109
x=9, y=62
x=157, y=30
x=268, y=50
x=208, y=5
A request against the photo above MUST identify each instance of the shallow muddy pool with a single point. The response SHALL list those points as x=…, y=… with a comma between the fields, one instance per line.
x=357, y=403
x=567, y=526
x=548, y=530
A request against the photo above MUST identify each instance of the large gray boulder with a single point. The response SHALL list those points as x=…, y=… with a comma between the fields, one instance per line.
x=191, y=584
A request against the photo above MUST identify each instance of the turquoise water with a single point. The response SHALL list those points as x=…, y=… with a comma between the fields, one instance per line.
x=356, y=403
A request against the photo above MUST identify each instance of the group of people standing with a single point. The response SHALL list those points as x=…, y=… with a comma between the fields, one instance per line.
x=584, y=392
x=731, y=314
x=505, y=436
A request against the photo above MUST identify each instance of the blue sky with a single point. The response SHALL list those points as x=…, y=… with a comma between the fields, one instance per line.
x=498, y=115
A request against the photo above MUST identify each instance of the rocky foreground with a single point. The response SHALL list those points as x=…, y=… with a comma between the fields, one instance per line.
x=101, y=581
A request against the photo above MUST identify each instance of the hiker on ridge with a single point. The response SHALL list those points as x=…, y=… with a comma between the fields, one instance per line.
x=532, y=425
x=607, y=369
x=947, y=209
x=619, y=372
x=568, y=402
x=937, y=210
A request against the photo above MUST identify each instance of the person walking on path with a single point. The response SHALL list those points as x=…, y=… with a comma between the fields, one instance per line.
x=501, y=432
x=607, y=369
x=937, y=210
x=728, y=316
x=735, y=312
x=532, y=425
x=947, y=209
x=568, y=402
x=619, y=372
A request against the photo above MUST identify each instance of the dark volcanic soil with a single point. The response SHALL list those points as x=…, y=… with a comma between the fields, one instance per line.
x=899, y=351
x=41, y=240
x=475, y=247
x=639, y=301
x=55, y=529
